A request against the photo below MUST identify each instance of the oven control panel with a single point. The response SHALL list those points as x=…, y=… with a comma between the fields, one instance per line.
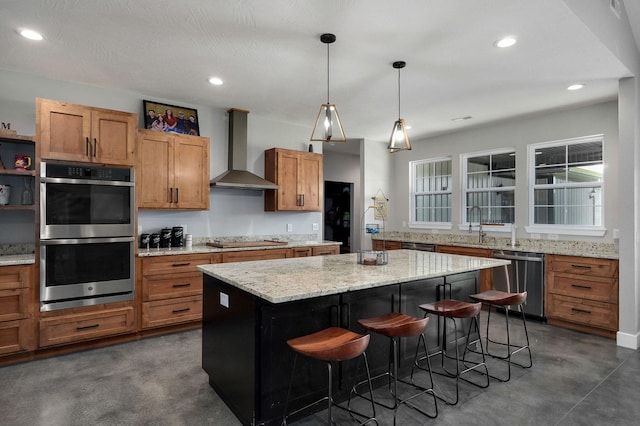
x=87, y=173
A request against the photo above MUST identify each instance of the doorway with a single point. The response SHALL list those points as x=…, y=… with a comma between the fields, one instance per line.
x=338, y=211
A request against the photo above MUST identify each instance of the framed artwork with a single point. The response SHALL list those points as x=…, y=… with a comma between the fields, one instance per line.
x=170, y=118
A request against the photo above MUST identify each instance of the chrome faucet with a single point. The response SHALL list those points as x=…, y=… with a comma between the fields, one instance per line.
x=481, y=234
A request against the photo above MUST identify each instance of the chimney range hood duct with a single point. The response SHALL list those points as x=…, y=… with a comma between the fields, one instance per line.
x=237, y=177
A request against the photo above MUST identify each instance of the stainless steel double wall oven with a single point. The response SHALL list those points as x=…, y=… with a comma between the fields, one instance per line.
x=87, y=235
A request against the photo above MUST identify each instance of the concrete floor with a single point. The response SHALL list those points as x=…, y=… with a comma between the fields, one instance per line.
x=577, y=379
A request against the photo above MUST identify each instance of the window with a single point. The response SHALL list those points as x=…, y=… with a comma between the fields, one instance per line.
x=567, y=192
x=489, y=184
x=431, y=187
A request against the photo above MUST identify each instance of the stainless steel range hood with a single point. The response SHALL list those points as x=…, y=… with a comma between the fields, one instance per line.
x=237, y=177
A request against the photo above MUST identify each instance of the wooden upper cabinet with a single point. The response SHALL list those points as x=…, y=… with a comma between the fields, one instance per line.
x=172, y=171
x=73, y=132
x=299, y=178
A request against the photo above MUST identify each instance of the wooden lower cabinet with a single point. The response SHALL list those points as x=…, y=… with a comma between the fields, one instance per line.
x=248, y=255
x=582, y=294
x=70, y=328
x=486, y=275
x=301, y=252
x=385, y=245
x=171, y=288
x=17, y=326
x=325, y=250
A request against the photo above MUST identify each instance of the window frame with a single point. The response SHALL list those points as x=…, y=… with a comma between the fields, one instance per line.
x=464, y=190
x=413, y=223
x=562, y=229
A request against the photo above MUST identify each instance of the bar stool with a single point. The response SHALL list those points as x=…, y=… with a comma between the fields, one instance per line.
x=395, y=325
x=455, y=309
x=330, y=344
x=496, y=298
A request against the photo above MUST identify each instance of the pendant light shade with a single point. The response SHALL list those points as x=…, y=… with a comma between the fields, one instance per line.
x=399, y=139
x=328, y=127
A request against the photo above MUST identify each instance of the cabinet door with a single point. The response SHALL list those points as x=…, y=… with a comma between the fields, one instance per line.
x=311, y=182
x=287, y=178
x=154, y=180
x=191, y=172
x=64, y=130
x=113, y=137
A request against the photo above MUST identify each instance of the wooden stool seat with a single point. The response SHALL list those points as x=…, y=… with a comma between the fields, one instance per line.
x=395, y=324
x=452, y=308
x=331, y=344
x=500, y=298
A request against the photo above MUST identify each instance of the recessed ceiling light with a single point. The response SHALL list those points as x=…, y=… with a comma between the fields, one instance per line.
x=216, y=81
x=505, y=42
x=30, y=34
x=575, y=86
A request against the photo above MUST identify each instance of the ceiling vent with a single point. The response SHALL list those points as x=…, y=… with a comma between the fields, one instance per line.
x=237, y=177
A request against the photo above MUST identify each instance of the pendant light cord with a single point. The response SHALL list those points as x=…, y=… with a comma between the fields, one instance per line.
x=399, y=115
x=327, y=73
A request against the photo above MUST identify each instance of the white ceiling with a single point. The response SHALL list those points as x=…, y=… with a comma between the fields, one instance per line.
x=273, y=64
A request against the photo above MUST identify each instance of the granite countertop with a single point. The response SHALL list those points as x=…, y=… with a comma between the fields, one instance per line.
x=285, y=280
x=564, y=247
x=203, y=248
x=17, y=259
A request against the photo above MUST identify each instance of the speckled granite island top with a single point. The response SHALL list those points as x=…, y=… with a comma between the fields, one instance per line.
x=285, y=280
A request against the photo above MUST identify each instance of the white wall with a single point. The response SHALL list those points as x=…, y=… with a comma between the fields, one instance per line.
x=233, y=212
x=596, y=119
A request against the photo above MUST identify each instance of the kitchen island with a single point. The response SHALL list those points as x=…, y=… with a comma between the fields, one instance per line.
x=251, y=309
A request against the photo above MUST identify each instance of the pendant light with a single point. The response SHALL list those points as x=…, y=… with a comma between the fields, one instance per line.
x=399, y=139
x=328, y=127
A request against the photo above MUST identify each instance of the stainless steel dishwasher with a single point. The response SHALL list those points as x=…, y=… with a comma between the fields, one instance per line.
x=525, y=273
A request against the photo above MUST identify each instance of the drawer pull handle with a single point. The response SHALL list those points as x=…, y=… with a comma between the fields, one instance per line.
x=181, y=264
x=181, y=285
x=87, y=327
x=177, y=311
x=581, y=286
x=580, y=311
x=581, y=266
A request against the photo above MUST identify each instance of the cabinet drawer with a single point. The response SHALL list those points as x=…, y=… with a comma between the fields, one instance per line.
x=583, y=266
x=581, y=311
x=301, y=252
x=14, y=336
x=323, y=251
x=12, y=277
x=13, y=304
x=171, y=311
x=173, y=264
x=179, y=285
x=77, y=327
x=603, y=289
x=244, y=256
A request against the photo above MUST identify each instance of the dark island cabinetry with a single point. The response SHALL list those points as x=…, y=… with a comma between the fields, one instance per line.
x=244, y=348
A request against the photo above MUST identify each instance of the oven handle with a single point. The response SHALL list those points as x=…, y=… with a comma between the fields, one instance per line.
x=86, y=181
x=57, y=241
